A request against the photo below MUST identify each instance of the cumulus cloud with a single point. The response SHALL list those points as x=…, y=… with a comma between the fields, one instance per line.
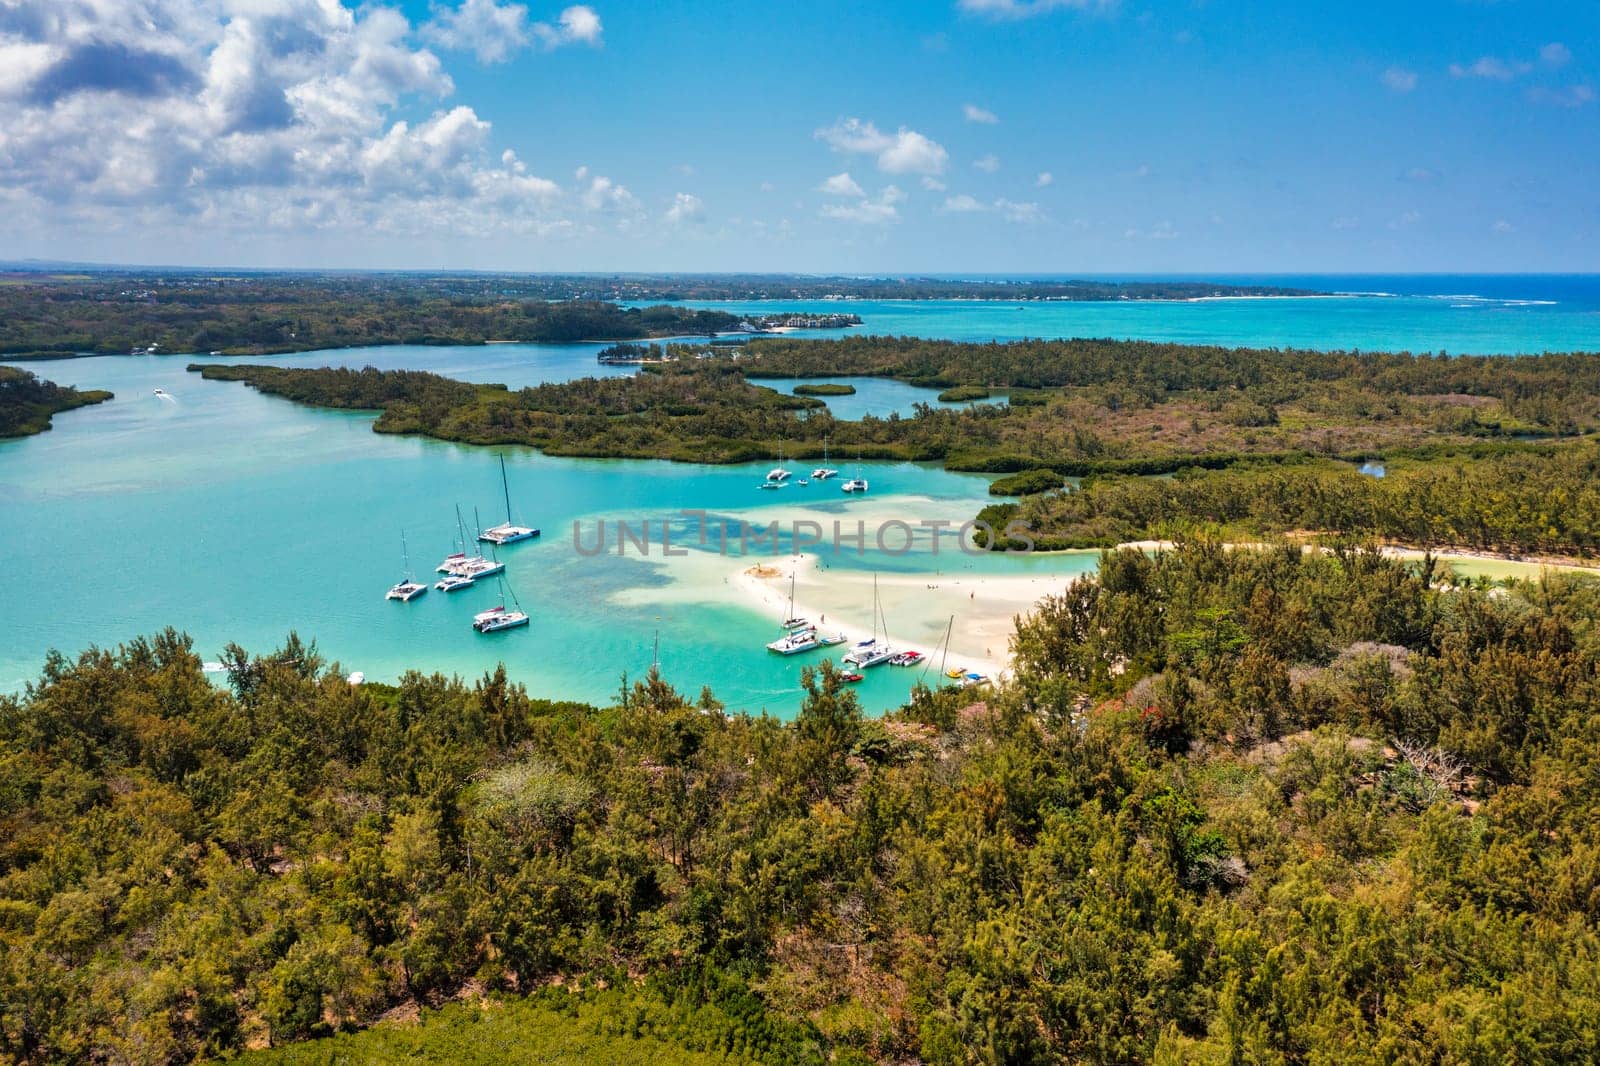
x=903, y=152
x=1555, y=55
x=687, y=209
x=878, y=211
x=1502, y=226
x=841, y=185
x=1045, y=178
x=1400, y=79
x=1022, y=9
x=1571, y=96
x=494, y=32
x=265, y=113
x=933, y=184
x=1010, y=210
x=988, y=164
x=1491, y=67
x=981, y=115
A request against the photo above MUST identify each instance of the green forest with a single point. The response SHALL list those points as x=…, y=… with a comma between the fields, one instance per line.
x=1254, y=805
x=27, y=401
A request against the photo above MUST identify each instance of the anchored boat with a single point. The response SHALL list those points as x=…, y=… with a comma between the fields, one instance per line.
x=407, y=588
x=497, y=618
x=508, y=532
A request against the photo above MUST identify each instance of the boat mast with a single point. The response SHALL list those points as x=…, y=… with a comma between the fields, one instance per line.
x=405, y=556
x=506, y=487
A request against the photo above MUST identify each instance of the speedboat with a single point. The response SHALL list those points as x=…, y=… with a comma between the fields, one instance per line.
x=906, y=658
x=770, y=485
x=406, y=591
x=851, y=677
x=796, y=642
x=453, y=583
x=855, y=484
x=497, y=618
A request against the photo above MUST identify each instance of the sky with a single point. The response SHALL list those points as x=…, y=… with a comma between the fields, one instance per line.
x=995, y=136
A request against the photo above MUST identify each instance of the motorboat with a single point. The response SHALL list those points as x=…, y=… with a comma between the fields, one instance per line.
x=851, y=677
x=906, y=658
x=508, y=532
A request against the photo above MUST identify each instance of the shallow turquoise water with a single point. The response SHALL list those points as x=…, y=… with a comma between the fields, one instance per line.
x=238, y=517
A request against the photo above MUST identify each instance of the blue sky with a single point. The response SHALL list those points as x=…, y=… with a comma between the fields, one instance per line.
x=944, y=135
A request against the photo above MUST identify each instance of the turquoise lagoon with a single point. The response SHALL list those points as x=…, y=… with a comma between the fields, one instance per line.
x=238, y=517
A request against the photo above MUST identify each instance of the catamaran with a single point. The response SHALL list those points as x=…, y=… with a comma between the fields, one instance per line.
x=799, y=634
x=857, y=483
x=474, y=566
x=778, y=475
x=872, y=651
x=824, y=472
x=497, y=618
x=508, y=532
x=408, y=588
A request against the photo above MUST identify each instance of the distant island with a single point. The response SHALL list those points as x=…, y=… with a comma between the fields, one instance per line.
x=57, y=315
x=27, y=402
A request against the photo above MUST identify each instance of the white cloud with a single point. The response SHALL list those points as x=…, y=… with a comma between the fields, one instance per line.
x=841, y=185
x=988, y=164
x=1571, y=96
x=1010, y=210
x=1490, y=67
x=1142, y=170
x=933, y=184
x=962, y=204
x=1399, y=79
x=868, y=212
x=687, y=209
x=1044, y=179
x=974, y=113
x=1555, y=55
x=1345, y=222
x=1021, y=9
x=1162, y=231
x=1405, y=220
x=904, y=152
x=603, y=194
x=494, y=32
x=1502, y=226
x=260, y=114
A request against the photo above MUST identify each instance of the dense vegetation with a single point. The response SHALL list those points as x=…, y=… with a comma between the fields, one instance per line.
x=825, y=388
x=45, y=314
x=27, y=402
x=963, y=393
x=286, y=313
x=1026, y=483
x=1268, y=806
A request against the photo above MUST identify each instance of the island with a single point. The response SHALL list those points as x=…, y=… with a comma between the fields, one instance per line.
x=1263, y=441
x=104, y=311
x=28, y=402
x=826, y=388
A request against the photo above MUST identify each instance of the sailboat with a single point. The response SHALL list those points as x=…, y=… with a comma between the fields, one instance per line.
x=473, y=566
x=778, y=475
x=857, y=483
x=497, y=618
x=824, y=472
x=508, y=532
x=799, y=634
x=873, y=651
x=408, y=588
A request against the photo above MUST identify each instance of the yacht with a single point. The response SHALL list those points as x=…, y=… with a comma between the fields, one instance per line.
x=472, y=566
x=508, y=532
x=778, y=475
x=497, y=618
x=796, y=641
x=855, y=484
x=823, y=472
x=872, y=651
x=407, y=588
x=453, y=583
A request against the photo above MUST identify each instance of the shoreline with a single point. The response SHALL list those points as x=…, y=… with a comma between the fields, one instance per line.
x=765, y=584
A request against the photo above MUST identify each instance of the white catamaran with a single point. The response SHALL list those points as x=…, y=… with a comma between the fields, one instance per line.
x=407, y=588
x=462, y=565
x=497, y=618
x=824, y=472
x=875, y=650
x=508, y=532
x=799, y=634
x=857, y=483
